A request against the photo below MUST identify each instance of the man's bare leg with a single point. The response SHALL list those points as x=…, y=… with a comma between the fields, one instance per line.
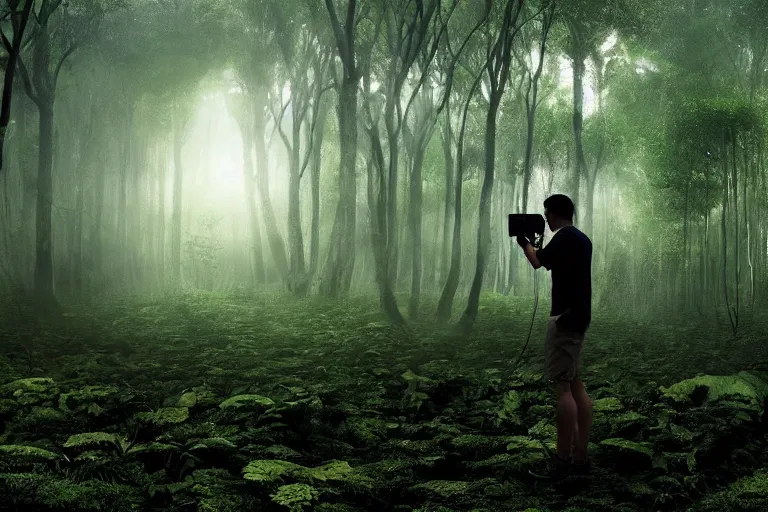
x=567, y=417
x=583, y=420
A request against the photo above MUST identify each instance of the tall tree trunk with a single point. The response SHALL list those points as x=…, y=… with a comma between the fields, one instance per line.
x=445, y=304
x=178, y=176
x=276, y=244
x=578, y=124
x=43, y=240
x=249, y=185
x=162, y=176
x=298, y=280
x=122, y=200
x=415, y=213
x=77, y=250
x=737, y=237
x=447, y=140
x=317, y=151
x=341, y=254
x=377, y=200
x=484, y=220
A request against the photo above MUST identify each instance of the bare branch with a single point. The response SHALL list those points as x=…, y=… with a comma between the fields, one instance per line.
x=67, y=53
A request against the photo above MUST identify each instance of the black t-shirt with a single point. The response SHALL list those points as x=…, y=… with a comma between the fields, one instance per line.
x=569, y=256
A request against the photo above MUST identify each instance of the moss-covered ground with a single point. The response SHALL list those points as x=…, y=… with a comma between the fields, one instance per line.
x=234, y=403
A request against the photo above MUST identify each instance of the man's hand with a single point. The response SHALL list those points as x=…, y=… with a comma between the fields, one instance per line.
x=523, y=241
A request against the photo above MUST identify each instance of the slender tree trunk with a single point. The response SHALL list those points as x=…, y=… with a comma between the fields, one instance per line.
x=274, y=238
x=578, y=123
x=737, y=237
x=484, y=220
x=162, y=175
x=44, y=243
x=415, y=211
x=249, y=185
x=377, y=203
x=445, y=304
x=178, y=176
x=447, y=140
x=317, y=151
x=724, y=234
x=298, y=280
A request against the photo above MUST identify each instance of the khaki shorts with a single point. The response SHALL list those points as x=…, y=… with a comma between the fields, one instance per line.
x=563, y=352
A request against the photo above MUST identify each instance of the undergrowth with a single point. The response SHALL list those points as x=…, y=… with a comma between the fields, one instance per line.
x=228, y=403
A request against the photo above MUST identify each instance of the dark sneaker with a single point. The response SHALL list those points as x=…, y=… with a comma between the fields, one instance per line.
x=581, y=468
x=551, y=468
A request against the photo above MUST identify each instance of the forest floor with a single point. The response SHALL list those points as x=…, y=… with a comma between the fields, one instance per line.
x=233, y=403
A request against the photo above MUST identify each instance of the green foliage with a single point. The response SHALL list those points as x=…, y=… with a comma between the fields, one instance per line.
x=252, y=401
x=339, y=439
x=91, y=438
x=295, y=496
x=165, y=415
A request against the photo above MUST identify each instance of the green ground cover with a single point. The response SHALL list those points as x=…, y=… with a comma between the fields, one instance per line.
x=229, y=403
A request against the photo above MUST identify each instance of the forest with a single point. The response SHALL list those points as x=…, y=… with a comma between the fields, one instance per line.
x=254, y=253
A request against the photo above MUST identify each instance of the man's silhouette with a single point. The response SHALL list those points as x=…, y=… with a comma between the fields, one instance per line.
x=568, y=255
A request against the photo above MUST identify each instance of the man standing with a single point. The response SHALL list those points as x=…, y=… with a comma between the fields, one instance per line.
x=568, y=256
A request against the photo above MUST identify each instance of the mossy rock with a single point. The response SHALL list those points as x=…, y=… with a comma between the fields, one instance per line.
x=242, y=401
x=705, y=388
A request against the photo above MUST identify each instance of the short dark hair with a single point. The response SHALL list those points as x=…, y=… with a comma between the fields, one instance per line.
x=561, y=205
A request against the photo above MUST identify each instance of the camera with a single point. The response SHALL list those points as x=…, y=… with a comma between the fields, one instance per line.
x=530, y=225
